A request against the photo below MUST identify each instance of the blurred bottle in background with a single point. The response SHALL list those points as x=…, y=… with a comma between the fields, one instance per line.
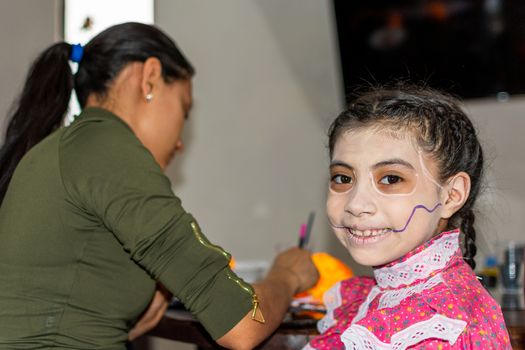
x=490, y=272
x=511, y=277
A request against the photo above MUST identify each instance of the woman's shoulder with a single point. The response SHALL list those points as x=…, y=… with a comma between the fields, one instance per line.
x=101, y=148
x=98, y=137
x=96, y=126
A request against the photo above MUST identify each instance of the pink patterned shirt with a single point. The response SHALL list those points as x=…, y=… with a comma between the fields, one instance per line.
x=428, y=299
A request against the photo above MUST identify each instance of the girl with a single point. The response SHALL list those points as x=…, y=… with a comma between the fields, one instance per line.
x=405, y=172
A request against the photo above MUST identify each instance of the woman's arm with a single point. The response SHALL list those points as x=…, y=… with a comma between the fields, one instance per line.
x=153, y=314
x=292, y=272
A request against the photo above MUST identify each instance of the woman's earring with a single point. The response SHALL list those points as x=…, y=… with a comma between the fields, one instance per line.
x=149, y=97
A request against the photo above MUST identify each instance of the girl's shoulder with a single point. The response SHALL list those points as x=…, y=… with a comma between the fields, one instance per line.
x=461, y=296
x=464, y=298
x=461, y=287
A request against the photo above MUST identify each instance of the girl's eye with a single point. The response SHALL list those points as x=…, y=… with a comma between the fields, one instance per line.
x=341, y=179
x=390, y=180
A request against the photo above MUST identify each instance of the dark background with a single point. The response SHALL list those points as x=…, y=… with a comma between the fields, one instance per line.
x=472, y=48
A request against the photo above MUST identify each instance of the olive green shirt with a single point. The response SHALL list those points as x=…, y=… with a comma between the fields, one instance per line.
x=88, y=225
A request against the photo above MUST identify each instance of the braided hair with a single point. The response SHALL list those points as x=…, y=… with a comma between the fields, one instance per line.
x=441, y=129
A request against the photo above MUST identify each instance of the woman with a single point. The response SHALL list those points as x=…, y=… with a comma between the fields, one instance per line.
x=89, y=224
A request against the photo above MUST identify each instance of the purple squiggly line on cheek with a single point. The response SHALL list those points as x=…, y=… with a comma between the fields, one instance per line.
x=420, y=206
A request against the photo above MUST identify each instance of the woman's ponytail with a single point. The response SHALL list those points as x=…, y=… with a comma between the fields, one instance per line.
x=44, y=100
x=39, y=109
x=467, y=227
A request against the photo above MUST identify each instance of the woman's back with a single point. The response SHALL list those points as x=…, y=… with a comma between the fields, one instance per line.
x=66, y=280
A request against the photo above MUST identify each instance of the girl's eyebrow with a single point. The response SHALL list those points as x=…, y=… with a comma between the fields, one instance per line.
x=393, y=161
x=334, y=163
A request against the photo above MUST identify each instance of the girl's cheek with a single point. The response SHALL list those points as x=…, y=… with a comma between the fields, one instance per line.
x=400, y=210
x=335, y=205
x=396, y=211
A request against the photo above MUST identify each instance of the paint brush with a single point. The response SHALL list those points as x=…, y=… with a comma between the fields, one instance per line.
x=304, y=234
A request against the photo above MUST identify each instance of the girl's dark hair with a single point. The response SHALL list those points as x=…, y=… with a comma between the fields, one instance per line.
x=440, y=128
x=43, y=102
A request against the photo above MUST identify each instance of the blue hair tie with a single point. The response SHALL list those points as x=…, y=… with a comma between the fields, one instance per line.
x=77, y=51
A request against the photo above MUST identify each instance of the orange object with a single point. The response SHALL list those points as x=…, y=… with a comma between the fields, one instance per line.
x=331, y=271
x=232, y=263
x=438, y=10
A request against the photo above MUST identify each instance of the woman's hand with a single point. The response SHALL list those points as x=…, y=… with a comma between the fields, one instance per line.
x=153, y=314
x=292, y=271
x=295, y=265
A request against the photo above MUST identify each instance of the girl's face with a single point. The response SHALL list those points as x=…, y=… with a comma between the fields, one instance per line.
x=380, y=186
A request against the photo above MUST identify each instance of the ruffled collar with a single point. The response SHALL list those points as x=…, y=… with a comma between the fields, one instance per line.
x=421, y=263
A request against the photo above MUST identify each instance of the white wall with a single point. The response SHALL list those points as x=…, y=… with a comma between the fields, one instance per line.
x=501, y=210
x=267, y=85
x=26, y=28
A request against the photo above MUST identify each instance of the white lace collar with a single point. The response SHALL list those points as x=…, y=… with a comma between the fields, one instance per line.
x=420, y=263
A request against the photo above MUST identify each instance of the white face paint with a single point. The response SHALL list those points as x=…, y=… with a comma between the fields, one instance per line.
x=383, y=199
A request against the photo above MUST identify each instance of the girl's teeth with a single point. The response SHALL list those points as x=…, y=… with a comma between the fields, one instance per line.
x=368, y=233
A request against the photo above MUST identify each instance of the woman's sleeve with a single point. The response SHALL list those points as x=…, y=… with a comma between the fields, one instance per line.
x=110, y=176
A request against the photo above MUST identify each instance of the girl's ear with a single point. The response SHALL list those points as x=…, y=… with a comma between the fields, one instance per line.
x=455, y=194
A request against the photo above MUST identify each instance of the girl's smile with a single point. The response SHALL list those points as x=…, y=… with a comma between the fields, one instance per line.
x=366, y=237
x=368, y=232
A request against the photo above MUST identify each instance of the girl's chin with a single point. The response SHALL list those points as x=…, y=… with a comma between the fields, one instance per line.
x=371, y=259
x=371, y=251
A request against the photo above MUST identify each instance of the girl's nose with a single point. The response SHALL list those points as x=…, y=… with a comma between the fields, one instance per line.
x=361, y=201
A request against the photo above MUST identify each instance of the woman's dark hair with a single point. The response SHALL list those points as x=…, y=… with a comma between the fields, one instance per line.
x=43, y=102
x=440, y=128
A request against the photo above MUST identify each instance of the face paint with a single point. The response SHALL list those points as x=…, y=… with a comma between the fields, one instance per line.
x=392, y=177
x=381, y=190
x=419, y=206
